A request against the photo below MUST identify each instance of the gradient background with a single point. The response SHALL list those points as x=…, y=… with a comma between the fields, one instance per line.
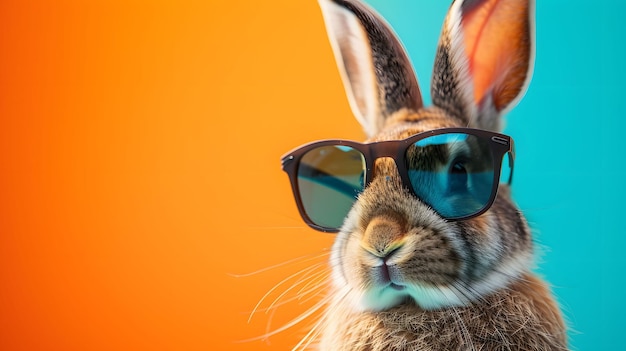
x=140, y=173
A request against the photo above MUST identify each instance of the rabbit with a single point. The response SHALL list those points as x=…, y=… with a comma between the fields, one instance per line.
x=471, y=282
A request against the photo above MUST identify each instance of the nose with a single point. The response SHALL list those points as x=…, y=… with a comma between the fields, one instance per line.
x=383, y=237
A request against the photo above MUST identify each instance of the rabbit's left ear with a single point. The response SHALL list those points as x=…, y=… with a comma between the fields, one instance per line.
x=485, y=59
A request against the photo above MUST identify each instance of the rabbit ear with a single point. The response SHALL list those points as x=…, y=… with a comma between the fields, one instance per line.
x=376, y=72
x=484, y=60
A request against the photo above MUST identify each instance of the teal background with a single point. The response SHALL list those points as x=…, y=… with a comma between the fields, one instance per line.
x=569, y=170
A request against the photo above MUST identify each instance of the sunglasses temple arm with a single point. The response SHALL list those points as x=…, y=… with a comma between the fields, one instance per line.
x=511, y=154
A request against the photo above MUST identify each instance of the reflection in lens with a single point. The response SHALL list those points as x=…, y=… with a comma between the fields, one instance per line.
x=329, y=179
x=453, y=173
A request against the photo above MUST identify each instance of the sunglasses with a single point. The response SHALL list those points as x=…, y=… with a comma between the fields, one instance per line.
x=455, y=171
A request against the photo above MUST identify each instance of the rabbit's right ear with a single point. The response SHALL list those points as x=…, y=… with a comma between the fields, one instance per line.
x=484, y=60
x=377, y=74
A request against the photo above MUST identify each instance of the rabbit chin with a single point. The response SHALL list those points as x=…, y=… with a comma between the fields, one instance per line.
x=427, y=298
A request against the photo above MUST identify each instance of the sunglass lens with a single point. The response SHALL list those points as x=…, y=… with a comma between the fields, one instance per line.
x=329, y=179
x=453, y=173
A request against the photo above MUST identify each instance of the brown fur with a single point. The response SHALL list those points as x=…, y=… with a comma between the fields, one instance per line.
x=522, y=317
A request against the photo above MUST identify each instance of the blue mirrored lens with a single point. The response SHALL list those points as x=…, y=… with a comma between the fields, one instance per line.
x=453, y=173
x=329, y=180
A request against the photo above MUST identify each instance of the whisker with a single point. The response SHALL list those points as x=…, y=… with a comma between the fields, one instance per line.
x=308, y=338
x=316, y=330
x=315, y=279
x=256, y=307
x=286, y=301
x=299, y=296
x=268, y=324
x=293, y=286
x=301, y=259
x=309, y=312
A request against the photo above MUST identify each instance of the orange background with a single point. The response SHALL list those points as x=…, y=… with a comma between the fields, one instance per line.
x=139, y=169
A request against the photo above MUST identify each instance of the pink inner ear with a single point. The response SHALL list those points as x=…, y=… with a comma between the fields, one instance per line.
x=497, y=44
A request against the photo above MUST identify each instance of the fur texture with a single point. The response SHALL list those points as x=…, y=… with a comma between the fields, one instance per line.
x=517, y=318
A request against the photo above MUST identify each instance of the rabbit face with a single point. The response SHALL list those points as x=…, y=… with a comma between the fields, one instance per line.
x=395, y=249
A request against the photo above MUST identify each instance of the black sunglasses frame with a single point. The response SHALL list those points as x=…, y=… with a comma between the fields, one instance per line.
x=396, y=149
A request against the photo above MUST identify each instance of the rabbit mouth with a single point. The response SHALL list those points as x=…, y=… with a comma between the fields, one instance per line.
x=397, y=287
x=387, y=289
x=388, y=276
